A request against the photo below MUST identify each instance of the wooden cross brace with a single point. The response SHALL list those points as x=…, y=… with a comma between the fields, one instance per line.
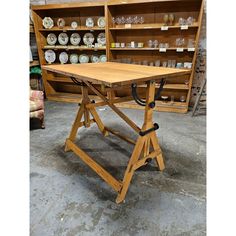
x=145, y=149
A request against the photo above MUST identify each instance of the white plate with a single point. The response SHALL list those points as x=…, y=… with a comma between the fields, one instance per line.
x=88, y=39
x=74, y=25
x=101, y=39
x=74, y=58
x=51, y=39
x=75, y=39
x=103, y=58
x=50, y=56
x=89, y=22
x=61, y=23
x=101, y=22
x=63, y=57
x=48, y=22
x=63, y=38
x=83, y=58
x=94, y=58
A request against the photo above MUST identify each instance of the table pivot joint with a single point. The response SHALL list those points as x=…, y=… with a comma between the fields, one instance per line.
x=155, y=127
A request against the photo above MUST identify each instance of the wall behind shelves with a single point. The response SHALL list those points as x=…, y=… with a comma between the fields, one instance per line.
x=201, y=59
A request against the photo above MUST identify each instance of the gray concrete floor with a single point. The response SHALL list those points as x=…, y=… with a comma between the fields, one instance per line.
x=69, y=199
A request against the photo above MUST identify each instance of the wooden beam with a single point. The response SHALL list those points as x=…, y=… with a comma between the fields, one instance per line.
x=114, y=108
x=115, y=184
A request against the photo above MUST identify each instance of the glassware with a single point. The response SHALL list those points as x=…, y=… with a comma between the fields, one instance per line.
x=128, y=20
x=157, y=63
x=113, y=20
x=166, y=19
x=169, y=63
x=161, y=45
x=150, y=43
x=180, y=42
x=171, y=19
x=182, y=21
x=140, y=45
x=155, y=43
x=135, y=20
x=179, y=65
x=151, y=64
x=122, y=45
x=182, y=98
x=164, y=63
x=190, y=20
x=173, y=63
x=141, y=19
x=166, y=45
x=186, y=81
x=191, y=43
x=172, y=99
x=118, y=20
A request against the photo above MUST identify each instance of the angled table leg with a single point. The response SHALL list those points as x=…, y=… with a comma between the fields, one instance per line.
x=143, y=145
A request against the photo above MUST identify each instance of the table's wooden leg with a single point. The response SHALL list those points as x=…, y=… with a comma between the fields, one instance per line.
x=143, y=146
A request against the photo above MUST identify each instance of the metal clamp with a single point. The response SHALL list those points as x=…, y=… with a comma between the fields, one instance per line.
x=142, y=102
x=75, y=81
x=155, y=127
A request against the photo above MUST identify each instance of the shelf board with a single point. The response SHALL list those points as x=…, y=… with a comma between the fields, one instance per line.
x=68, y=28
x=150, y=26
x=31, y=29
x=34, y=63
x=170, y=86
x=147, y=49
x=72, y=48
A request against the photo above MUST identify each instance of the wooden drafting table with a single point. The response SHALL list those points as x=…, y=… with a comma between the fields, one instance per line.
x=112, y=76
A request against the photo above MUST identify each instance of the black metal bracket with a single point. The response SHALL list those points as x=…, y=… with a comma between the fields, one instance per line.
x=142, y=102
x=155, y=127
x=75, y=81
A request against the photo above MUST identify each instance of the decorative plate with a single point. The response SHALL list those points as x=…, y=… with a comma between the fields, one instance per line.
x=101, y=22
x=83, y=58
x=51, y=39
x=63, y=38
x=48, y=22
x=50, y=56
x=88, y=39
x=61, y=23
x=89, y=22
x=74, y=58
x=94, y=58
x=101, y=39
x=75, y=39
x=103, y=58
x=74, y=25
x=63, y=57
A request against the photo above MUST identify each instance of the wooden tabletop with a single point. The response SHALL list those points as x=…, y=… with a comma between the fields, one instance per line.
x=115, y=74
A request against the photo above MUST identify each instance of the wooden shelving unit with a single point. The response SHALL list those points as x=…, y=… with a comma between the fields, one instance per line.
x=62, y=89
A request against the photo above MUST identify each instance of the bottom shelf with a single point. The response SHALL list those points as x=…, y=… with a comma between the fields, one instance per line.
x=178, y=107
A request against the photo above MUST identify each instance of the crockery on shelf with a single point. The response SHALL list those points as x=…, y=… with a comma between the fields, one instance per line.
x=190, y=20
x=155, y=43
x=50, y=56
x=157, y=63
x=89, y=22
x=51, y=39
x=83, y=58
x=63, y=57
x=103, y=58
x=164, y=63
x=74, y=59
x=101, y=39
x=94, y=58
x=166, y=19
x=88, y=39
x=180, y=42
x=171, y=19
x=164, y=99
x=75, y=39
x=61, y=23
x=74, y=24
x=63, y=38
x=182, y=98
x=101, y=22
x=182, y=21
x=48, y=22
x=141, y=19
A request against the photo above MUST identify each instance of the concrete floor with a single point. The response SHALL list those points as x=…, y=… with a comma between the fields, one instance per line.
x=69, y=199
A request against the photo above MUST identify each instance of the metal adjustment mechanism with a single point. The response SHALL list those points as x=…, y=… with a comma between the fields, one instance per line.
x=142, y=102
x=152, y=104
x=155, y=127
x=77, y=82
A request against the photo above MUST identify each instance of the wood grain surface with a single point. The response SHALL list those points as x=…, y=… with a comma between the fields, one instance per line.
x=115, y=74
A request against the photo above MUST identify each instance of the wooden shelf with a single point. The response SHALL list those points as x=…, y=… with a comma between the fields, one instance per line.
x=170, y=86
x=31, y=29
x=151, y=26
x=68, y=28
x=148, y=49
x=34, y=63
x=73, y=48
